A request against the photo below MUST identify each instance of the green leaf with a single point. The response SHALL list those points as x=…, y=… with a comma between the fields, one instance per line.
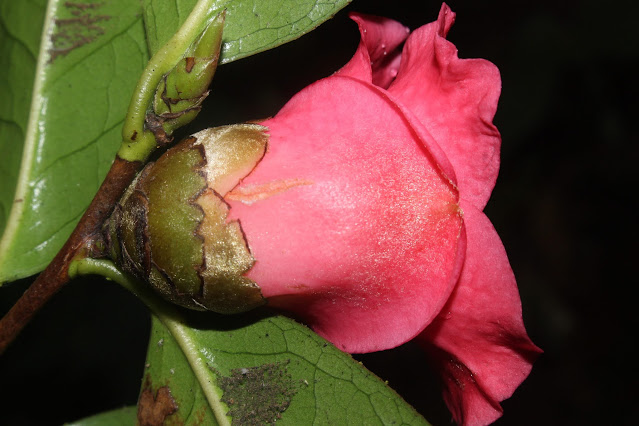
x=67, y=96
x=20, y=27
x=88, y=62
x=124, y=416
x=249, y=370
x=252, y=26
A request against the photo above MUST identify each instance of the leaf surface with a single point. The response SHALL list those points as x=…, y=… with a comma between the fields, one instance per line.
x=264, y=369
x=252, y=26
x=120, y=417
x=86, y=66
x=20, y=24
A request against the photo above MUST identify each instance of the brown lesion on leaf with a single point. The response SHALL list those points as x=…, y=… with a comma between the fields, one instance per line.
x=154, y=409
x=82, y=6
x=258, y=395
x=80, y=28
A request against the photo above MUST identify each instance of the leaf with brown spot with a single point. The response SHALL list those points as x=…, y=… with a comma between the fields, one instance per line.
x=83, y=27
x=265, y=369
x=60, y=119
x=168, y=367
x=154, y=409
x=258, y=395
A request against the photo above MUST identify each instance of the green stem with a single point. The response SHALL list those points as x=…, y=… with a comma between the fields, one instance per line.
x=137, y=142
x=170, y=318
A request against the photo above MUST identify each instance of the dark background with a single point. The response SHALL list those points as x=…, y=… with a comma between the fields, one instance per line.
x=564, y=206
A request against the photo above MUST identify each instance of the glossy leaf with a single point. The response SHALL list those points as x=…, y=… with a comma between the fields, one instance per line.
x=120, y=417
x=263, y=369
x=252, y=26
x=20, y=27
x=58, y=144
x=88, y=62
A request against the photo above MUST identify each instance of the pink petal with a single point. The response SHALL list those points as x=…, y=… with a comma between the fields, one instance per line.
x=378, y=55
x=354, y=228
x=479, y=338
x=456, y=100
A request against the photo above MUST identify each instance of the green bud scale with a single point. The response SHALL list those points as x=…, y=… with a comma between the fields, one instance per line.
x=170, y=228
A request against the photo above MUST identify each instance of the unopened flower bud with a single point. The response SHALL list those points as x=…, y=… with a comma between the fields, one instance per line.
x=171, y=229
x=181, y=92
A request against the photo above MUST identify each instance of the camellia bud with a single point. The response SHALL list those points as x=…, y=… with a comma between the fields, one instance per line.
x=170, y=228
x=181, y=92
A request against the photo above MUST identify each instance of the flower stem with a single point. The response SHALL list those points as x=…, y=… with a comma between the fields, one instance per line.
x=81, y=243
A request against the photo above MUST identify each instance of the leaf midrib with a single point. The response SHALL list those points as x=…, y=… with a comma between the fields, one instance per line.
x=26, y=164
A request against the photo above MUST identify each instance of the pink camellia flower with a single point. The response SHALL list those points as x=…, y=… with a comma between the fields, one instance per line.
x=365, y=214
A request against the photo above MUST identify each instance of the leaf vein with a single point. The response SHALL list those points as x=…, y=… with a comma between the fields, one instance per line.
x=75, y=151
x=16, y=39
x=97, y=45
x=55, y=232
